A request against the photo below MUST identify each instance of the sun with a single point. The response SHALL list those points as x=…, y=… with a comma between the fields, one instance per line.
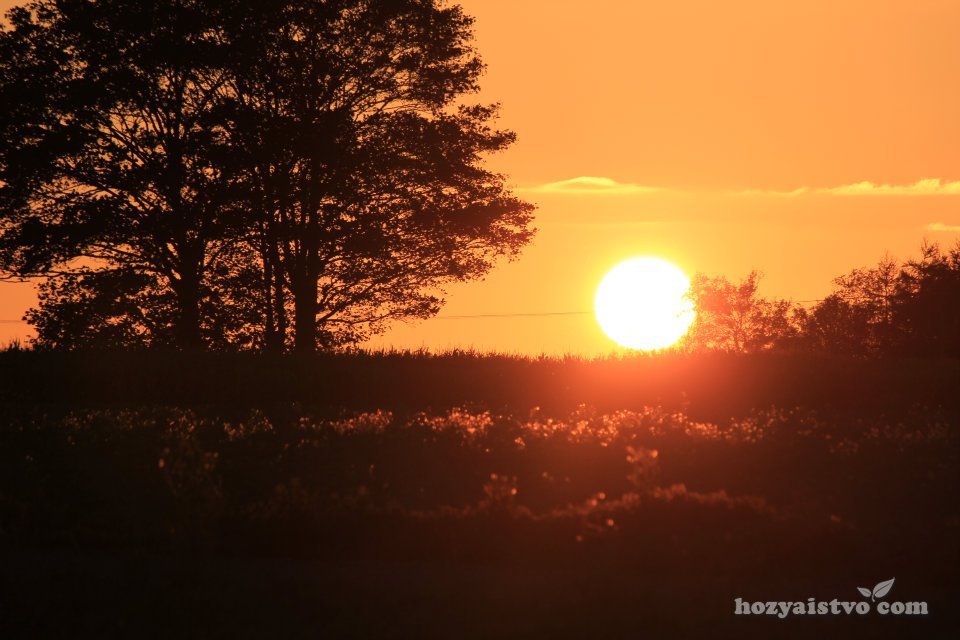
x=642, y=304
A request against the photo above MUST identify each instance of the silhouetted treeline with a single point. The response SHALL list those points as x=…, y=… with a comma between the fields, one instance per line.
x=911, y=308
x=296, y=175
x=244, y=174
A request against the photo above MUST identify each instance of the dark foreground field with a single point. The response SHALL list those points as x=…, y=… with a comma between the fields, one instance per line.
x=363, y=496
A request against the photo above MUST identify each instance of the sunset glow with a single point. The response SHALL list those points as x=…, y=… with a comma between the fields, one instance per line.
x=410, y=318
x=801, y=140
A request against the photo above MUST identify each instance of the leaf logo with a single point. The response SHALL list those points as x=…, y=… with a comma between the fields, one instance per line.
x=882, y=589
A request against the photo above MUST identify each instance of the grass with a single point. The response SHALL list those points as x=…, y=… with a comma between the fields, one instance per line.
x=408, y=495
x=709, y=386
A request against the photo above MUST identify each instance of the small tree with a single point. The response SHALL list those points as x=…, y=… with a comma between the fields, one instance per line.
x=112, y=309
x=926, y=310
x=836, y=325
x=871, y=294
x=913, y=308
x=733, y=317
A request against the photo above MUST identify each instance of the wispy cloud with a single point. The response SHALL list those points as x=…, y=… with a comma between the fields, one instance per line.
x=943, y=228
x=591, y=185
x=799, y=191
x=607, y=224
x=923, y=187
x=598, y=186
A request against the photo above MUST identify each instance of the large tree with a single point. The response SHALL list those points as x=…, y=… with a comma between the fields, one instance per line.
x=320, y=144
x=108, y=147
x=364, y=171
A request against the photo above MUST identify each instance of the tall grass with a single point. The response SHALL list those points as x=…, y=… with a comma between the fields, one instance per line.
x=710, y=386
x=467, y=495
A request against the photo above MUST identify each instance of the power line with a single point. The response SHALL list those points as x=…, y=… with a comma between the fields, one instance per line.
x=471, y=316
x=535, y=314
x=515, y=315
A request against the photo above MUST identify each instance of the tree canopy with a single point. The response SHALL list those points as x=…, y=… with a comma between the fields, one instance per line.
x=909, y=308
x=235, y=174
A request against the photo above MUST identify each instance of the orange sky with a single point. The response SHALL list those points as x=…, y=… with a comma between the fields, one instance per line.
x=787, y=137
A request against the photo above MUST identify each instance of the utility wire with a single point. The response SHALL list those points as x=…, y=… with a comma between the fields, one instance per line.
x=532, y=314
x=546, y=313
x=515, y=315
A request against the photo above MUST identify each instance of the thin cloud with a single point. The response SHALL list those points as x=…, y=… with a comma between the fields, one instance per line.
x=799, y=191
x=598, y=186
x=943, y=228
x=607, y=224
x=923, y=187
x=591, y=185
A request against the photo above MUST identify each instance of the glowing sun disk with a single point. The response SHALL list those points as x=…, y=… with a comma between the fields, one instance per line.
x=642, y=304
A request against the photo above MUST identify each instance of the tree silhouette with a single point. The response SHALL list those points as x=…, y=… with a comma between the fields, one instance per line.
x=108, y=158
x=926, y=310
x=128, y=309
x=362, y=171
x=236, y=160
x=872, y=293
x=836, y=325
x=908, y=309
x=734, y=317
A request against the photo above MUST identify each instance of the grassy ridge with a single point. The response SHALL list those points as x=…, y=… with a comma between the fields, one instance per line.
x=403, y=495
x=708, y=386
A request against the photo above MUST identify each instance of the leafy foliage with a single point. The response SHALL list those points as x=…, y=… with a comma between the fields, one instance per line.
x=314, y=154
x=733, y=317
x=909, y=308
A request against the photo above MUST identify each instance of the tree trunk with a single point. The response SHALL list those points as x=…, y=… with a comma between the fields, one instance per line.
x=269, y=322
x=280, y=311
x=187, y=329
x=275, y=315
x=305, y=316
